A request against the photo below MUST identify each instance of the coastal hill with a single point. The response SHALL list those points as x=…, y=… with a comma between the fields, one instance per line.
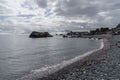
x=36, y=34
x=97, y=31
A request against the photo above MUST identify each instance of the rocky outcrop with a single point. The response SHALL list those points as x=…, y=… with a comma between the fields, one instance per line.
x=36, y=34
x=116, y=30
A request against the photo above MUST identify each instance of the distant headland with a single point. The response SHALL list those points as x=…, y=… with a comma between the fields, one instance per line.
x=98, y=31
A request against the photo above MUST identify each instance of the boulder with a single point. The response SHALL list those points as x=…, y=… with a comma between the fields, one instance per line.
x=36, y=34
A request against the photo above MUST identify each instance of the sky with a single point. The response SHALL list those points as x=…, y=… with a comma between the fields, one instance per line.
x=24, y=16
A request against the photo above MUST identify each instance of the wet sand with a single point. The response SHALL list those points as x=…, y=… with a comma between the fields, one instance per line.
x=101, y=65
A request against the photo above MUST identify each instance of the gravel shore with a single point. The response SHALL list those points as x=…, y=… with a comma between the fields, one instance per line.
x=101, y=65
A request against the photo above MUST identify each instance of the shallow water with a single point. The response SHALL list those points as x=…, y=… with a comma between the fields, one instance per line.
x=19, y=55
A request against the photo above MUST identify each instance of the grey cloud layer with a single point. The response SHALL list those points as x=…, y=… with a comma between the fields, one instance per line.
x=91, y=9
x=73, y=8
x=76, y=8
x=42, y=3
x=67, y=14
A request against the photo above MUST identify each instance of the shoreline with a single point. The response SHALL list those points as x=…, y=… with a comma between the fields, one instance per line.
x=45, y=72
x=86, y=60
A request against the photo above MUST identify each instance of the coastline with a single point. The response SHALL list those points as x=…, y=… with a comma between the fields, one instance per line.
x=86, y=60
x=49, y=70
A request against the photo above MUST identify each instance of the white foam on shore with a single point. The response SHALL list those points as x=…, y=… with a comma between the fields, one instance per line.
x=42, y=72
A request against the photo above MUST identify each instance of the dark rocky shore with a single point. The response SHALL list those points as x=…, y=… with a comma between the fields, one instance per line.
x=101, y=65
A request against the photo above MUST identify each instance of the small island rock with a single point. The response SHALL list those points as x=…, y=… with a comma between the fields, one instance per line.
x=36, y=34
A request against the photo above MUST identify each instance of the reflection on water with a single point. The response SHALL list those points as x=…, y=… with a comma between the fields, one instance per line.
x=20, y=54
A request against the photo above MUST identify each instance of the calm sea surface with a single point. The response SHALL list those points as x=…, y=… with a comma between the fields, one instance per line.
x=19, y=55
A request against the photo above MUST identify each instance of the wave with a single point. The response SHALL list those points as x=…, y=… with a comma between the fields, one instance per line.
x=44, y=71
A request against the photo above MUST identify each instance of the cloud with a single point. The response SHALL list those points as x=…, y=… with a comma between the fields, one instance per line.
x=42, y=3
x=76, y=8
x=23, y=16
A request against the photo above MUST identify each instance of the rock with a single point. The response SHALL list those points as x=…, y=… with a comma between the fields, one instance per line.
x=36, y=34
x=64, y=36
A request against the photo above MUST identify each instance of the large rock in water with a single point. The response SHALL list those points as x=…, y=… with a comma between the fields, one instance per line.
x=36, y=34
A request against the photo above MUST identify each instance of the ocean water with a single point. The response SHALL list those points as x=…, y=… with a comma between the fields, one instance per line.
x=21, y=56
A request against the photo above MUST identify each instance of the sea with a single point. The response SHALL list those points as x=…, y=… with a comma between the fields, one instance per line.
x=23, y=58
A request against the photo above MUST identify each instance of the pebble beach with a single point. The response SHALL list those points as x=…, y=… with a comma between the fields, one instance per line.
x=101, y=65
